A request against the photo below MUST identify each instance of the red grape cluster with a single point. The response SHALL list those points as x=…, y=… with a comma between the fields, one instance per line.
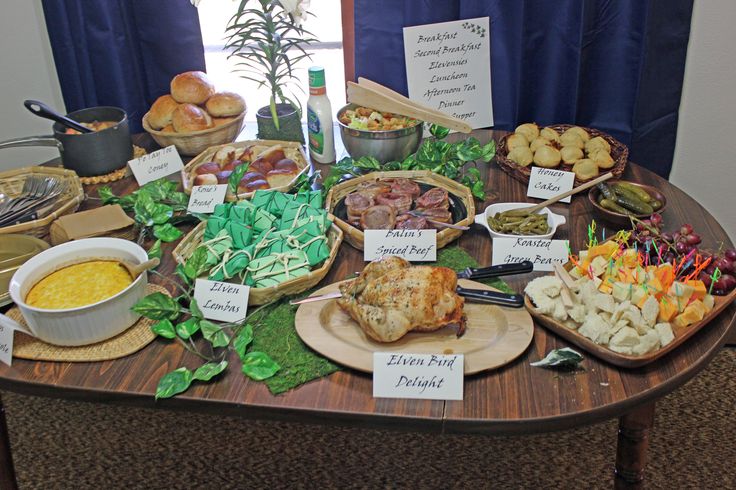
x=673, y=247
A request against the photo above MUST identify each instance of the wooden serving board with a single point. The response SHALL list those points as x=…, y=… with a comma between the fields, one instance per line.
x=494, y=335
x=624, y=360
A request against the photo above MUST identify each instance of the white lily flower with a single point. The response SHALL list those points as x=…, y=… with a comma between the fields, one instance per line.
x=297, y=9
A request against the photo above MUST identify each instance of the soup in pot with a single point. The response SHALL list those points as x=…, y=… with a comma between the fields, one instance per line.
x=79, y=285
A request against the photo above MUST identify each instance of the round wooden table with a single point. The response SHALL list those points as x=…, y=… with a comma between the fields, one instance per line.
x=515, y=399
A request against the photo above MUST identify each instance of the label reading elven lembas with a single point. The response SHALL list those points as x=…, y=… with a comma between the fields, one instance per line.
x=221, y=301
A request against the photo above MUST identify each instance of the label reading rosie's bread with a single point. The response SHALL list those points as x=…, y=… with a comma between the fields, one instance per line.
x=156, y=165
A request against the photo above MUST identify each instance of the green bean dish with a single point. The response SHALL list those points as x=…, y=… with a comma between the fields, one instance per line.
x=519, y=222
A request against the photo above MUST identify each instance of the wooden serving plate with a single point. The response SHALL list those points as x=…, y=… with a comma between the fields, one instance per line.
x=624, y=360
x=619, y=153
x=292, y=150
x=460, y=197
x=494, y=335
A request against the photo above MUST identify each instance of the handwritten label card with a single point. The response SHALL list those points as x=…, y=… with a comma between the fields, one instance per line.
x=426, y=376
x=448, y=68
x=156, y=165
x=221, y=301
x=546, y=182
x=412, y=245
x=543, y=253
x=6, y=344
x=204, y=198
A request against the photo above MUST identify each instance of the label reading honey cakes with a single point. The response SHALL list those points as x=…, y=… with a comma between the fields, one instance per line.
x=547, y=182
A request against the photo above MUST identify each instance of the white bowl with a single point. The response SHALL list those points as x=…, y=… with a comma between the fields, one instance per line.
x=553, y=220
x=85, y=324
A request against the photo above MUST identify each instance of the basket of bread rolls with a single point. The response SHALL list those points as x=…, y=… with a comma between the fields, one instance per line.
x=586, y=152
x=271, y=164
x=194, y=116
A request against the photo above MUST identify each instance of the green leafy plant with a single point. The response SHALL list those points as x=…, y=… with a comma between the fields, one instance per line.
x=268, y=41
x=180, y=318
x=157, y=208
x=449, y=159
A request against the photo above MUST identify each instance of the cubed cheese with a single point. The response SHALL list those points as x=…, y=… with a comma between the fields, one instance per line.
x=693, y=313
x=667, y=308
x=664, y=330
x=709, y=302
x=699, y=290
x=599, y=265
x=683, y=292
x=638, y=294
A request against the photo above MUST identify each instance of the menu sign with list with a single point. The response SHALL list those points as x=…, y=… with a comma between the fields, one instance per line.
x=448, y=68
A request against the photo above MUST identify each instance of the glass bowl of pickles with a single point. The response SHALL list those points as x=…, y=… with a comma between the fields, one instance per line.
x=618, y=201
x=511, y=220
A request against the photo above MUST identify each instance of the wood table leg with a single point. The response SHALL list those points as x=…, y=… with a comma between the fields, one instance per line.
x=7, y=472
x=633, y=443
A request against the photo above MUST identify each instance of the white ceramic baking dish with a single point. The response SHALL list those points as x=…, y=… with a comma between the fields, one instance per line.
x=553, y=220
x=85, y=324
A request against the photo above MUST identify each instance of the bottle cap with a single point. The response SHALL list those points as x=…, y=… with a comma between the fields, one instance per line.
x=316, y=76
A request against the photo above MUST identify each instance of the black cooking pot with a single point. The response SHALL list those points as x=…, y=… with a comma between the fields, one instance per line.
x=90, y=154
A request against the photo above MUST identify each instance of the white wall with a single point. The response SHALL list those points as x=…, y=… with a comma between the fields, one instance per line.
x=705, y=155
x=28, y=73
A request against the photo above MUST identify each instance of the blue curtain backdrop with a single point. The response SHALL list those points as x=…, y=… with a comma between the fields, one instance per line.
x=616, y=65
x=122, y=52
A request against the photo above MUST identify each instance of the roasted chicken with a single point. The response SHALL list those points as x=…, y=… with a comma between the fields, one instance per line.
x=390, y=298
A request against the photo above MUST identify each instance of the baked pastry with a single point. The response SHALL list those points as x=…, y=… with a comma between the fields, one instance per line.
x=273, y=154
x=529, y=130
x=207, y=168
x=288, y=164
x=251, y=176
x=191, y=87
x=189, y=117
x=225, y=104
x=521, y=155
x=516, y=140
x=547, y=157
x=206, y=179
x=160, y=114
x=280, y=177
x=261, y=165
x=534, y=146
x=597, y=143
x=585, y=169
x=602, y=158
x=549, y=134
x=225, y=155
x=571, y=154
x=252, y=186
x=223, y=176
x=571, y=138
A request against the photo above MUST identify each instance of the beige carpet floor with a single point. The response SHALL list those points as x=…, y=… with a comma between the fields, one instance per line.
x=62, y=444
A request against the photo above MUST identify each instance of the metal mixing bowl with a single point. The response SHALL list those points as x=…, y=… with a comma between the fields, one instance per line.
x=384, y=146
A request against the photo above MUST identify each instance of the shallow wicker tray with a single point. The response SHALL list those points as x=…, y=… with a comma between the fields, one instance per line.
x=625, y=360
x=292, y=149
x=619, y=153
x=355, y=237
x=261, y=296
x=11, y=184
x=197, y=141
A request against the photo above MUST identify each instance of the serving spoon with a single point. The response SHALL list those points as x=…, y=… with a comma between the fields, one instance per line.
x=42, y=110
x=554, y=199
x=135, y=270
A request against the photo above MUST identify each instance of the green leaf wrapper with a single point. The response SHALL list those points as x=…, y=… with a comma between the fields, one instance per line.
x=275, y=269
x=272, y=201
x=222, y=210
x=241, y=234
x=213, y=227
x=241, y=214
x=313, y=198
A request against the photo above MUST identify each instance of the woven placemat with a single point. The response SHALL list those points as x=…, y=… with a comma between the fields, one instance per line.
x=116, y=174
x=132, y=340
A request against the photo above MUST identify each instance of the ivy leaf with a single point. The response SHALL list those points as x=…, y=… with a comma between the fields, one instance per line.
x=167, y=232
x=488, y=151
x=207, y=371
x=196, y=263
x=180, y=199
x=478, y=191
x=194, y=308
x=428, y=153
x=159, y=189
x=187, y=328
x=234, y=179
x=105, y=193
x=164, y=328
x=173, y=383
x=214, y=333
x=438, y=132
x=470, y=150
x=563, y=358
x=368, y=162
x=474, y=172
x=182, y=275
x=158, y=306
x=243, y=340
x=155, y=250
x=259, y=366
x=391, y=166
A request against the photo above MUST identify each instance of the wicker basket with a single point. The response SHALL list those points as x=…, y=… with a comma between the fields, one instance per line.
x=193, y=143
x=261, y=296
x=11, y=184
x=619, y=153
x=355, y=237
x=292, y=149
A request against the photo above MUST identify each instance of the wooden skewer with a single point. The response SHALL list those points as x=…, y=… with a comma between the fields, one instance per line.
x=368, y=97
x=552, y=200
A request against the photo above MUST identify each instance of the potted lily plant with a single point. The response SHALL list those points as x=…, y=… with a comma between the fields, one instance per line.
x=267, y=40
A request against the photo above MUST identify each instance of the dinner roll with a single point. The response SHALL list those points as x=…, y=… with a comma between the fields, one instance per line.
x=191, y=87
x=189, y=117
x=160, y=114
x=225, y=104
x=279, y=177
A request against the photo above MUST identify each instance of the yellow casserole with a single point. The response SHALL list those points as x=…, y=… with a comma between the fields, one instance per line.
x=79, y=285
